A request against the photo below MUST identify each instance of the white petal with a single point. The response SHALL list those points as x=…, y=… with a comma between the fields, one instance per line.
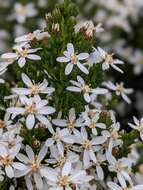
x=70, y=48
x=30, y=152
x=125, y=97
x=9, y=56
x=30, y=121
x=66, y=169
x=82, y=68
x=87, y=97
x=83, y=56
x=16, y=111
x=9, y=171
x=117, y=68
x=42, y=154
x=33, y=57
x=21, y=62
x=113, y=186
x=19, y=166
x=43, y=120
x=26, y=80
x=38, y=180
x=22, y=158
x=63, y=59
x=60, y=122
x=98, y=140
x=73, y=89
x=68, y=68
x=100, y=173
x=49, y=142
x=46, y=110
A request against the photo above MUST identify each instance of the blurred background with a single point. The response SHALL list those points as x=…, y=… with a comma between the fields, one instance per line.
x=123, y=34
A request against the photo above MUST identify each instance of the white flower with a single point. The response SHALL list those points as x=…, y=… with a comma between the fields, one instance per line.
x=59, y=160
x=33, y=89
x=109, y=61
x=138, y=125
x=93, y=124
x=7, y=160
x=115, y=186
x=122, y=167
x=32, y=167
x=72, y=59
x=120, y=90
x=113, y=136
x=21, y=12
x=59, y=137
x=33, y=108
x=36, y=35
x=80, y=86
x=88, y=144
x=5, y=123
x=62, y=179
x=21, y=54
x=10, y=140
x=71, y=123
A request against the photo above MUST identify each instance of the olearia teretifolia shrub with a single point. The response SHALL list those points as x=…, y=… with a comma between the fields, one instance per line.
x=58, y=129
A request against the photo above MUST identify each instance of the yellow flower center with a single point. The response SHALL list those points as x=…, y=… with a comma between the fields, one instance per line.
x=86, y=88
x=87, y=144
x=34, y=89
x=109, y=58
x=31, y=109
x=92, y=125
x=35, y=166
x=74, y=58
x=6, y=161
x=71, y=125
x=23, y=53
x=63, y=181
x=120, y=88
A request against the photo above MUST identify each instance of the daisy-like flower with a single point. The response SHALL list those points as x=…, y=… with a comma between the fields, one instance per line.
x=59, y=160
x=5, y=123
x=59, y=137
x=33, y=108
x=72, y=59
x=122, y=168
x=7, y=160
x=88, y=144
x=85, y=89
x=10, y=140
x=113, y=135
x=32, y=167
x=108, y=60
x=71, y=123
x=120, y=90
x=63, y=179
x=93, y=124
x=36, y=35
x=115, y=186
x=21, y=54
x=138, y=125
x=21, y=12
x=33, y=89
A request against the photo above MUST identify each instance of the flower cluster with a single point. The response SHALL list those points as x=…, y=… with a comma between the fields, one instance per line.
x=58, y=130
